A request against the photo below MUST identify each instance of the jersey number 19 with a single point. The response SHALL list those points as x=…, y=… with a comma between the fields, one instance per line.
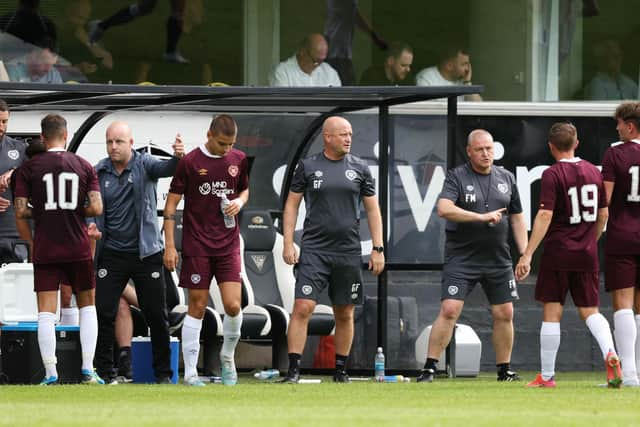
x=587, y=198
x=64, y=200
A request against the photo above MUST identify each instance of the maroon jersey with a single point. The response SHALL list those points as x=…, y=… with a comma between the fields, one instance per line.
x=201, y=178
x=57, y=183
x=621, y=165
x=573, y=190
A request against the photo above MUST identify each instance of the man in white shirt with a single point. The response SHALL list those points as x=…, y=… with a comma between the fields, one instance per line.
x=307, y=66
x=453, y=69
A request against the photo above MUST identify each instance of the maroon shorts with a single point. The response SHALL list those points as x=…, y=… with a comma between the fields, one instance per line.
x=553, y=286
x=198, y=271
x=79, y=274
x=621, y=271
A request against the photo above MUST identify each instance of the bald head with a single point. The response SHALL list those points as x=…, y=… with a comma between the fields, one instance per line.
x=312, y=52
x=119, y=144
x=336, y=134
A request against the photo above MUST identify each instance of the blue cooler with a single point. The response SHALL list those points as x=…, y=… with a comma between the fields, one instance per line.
x=142, y=360
x=21, y=359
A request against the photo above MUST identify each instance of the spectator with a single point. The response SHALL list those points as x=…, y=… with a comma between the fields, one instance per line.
x=481, y=204
x=571, y=216
x=62, y=253
x=37, y=66
x=394, y=71
x=175, y=22
x=342, y=17
x=131, y=246
x=622, y=246
x=610, y=83
x=211, y=245
x=453, y=69
x=332, y=183
x=307, y=66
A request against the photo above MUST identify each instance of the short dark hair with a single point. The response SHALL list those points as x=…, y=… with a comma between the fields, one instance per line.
x=450, y=52
x=53, y=126
x=223, y=124
x=563, y=136
x=3, y=105
x=629, y=112
x=396, y=48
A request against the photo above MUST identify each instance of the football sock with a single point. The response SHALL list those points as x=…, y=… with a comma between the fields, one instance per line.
x=637, y=342
x=549, y=345
x=625, y=333
x=88, y=335
x=69, y=316
x=231, y=334
x=47, y=342
x=601, y=331
x=191, y=345
x=503, y=367
x=294, y=362
x=341, y=362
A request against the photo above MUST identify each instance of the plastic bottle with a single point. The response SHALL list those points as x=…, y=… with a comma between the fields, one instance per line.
x=395, y=379
x=229, y=221
x=267, y=374
x=378, y=365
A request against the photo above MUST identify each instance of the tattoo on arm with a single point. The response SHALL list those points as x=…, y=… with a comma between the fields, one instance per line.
x=22, y=208
x=169, y=217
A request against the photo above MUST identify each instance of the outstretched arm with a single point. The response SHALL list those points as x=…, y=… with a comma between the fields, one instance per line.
x=449, y=211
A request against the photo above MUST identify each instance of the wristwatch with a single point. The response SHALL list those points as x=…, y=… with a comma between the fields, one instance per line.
x=379, y=249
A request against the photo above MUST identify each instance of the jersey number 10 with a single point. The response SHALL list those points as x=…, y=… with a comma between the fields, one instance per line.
x=65, y=201
x=588, y=198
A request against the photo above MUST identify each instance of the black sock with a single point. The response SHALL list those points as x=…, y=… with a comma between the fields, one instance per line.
x=503, y=367
x=294, y=362
x=341, y=362
x=430, y=363
x=174, y=30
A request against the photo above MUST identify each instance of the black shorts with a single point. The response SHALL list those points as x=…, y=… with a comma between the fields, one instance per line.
x=498, y=284
x=340, y=273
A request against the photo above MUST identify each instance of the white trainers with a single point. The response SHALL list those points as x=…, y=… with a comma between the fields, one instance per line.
x=194, y=381
x=174, y=57
x=229, y=374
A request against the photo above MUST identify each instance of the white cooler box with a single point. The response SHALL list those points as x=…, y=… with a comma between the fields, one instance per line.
x=467, y=352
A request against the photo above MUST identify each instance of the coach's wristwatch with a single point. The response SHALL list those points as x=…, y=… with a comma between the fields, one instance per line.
x=379, y=249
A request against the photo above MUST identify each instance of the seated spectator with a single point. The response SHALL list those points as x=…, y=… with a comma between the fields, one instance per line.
x=307, y=66
x=394, y=70
x=37, y=66
x=609, y=83
x=453, y=69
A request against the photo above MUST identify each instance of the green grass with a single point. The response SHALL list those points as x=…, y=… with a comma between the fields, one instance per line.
x=577, y=401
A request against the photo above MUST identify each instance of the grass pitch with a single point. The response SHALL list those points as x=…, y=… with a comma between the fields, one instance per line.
x=577, y=401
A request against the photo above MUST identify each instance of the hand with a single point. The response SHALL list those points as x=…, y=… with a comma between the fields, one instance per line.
x=523, y=268
x=289, y=254
x=93, y=232
x=5, y=180
x=467, y=75
x=170, y=258
x=234, y=207
x=376, y=262
x=493, y=217
x=178, y=147
x=4, y=204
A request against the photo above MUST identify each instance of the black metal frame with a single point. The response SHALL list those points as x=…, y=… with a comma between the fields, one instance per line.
x=102, y=99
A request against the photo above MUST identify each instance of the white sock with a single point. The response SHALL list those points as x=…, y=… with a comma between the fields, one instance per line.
x=637, y=343
x=601, y=331
x=625, y=332
x=88, y=335
x=47, y=342
x=69, y=316
x=549, y=345
x=191, y=345
x=231, y=335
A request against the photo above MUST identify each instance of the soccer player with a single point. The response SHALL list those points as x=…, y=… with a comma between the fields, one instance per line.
x=62, y=189
x=571, y=214
x=480, y=202
x=621, y=172
x=209, y=248
x=332, y=183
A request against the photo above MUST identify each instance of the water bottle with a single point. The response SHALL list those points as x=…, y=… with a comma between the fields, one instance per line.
x=229, y=221
x=395, y=379
x=378, y=365
x=267, y=374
